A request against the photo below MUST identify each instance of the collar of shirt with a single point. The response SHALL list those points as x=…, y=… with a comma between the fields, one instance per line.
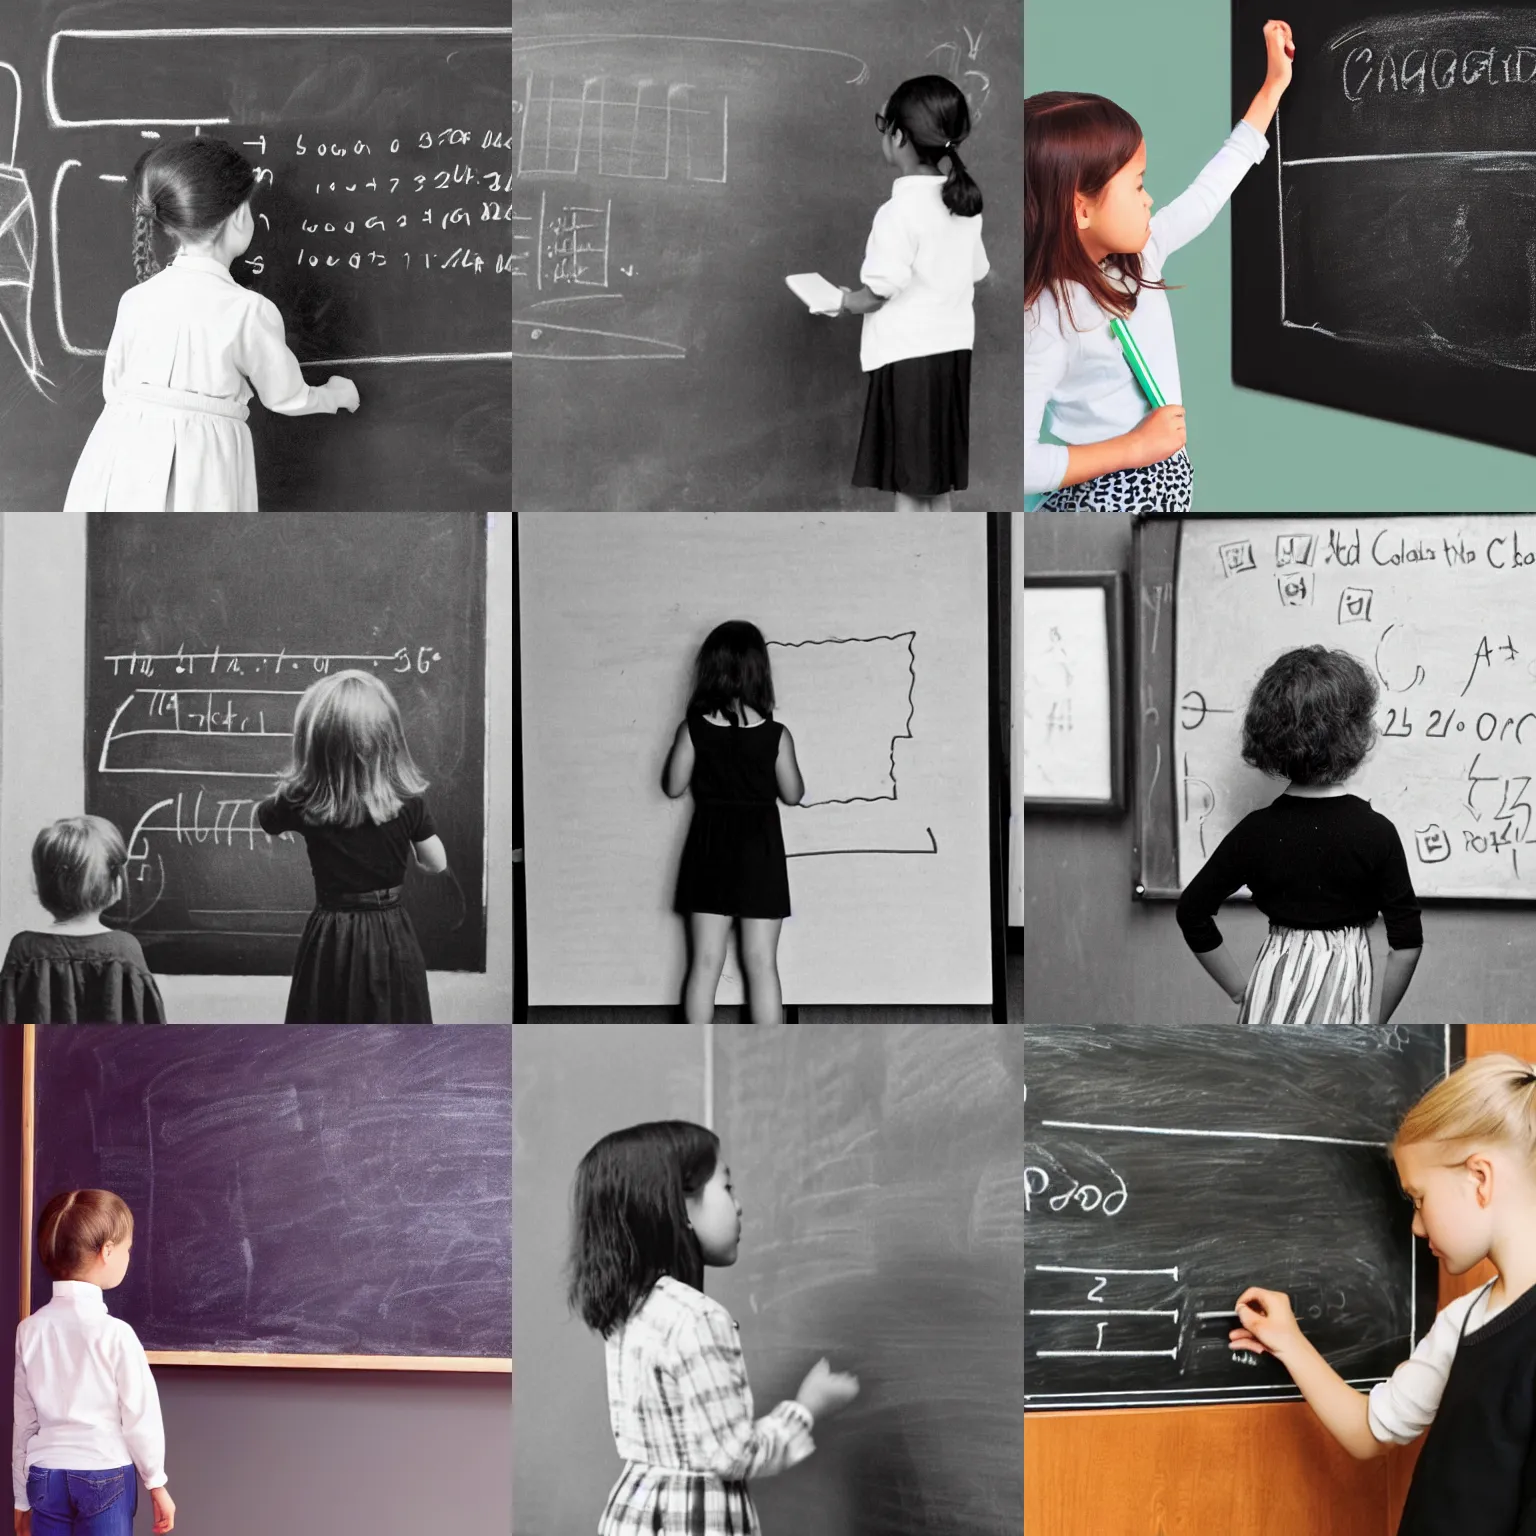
x=190, y=263
x=80, y=1293
x=913, y=185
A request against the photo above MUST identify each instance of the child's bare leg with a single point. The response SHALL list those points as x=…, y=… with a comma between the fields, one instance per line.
x=710, y=932
x=760, y=964
x=905, y=503
x=940, y=504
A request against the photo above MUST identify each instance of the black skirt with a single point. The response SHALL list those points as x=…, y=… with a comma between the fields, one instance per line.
x=733, y=862
x=359, y=963
x=917, y=426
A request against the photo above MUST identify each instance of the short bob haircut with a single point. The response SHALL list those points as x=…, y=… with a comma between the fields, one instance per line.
x=1311, y=717
x=77, y=863
x=74, y=1227
x=630, y=1221
x=1489, y=1099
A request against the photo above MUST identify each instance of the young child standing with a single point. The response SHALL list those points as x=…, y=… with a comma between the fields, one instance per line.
x=78, y=971
x=354, y=794
x=189, y=346
x=921, y=267
x=1092, y=254
x=739, y=762
x=1319, y=861
x=86, y=1425
x=1466, y=1157
x=653, y=1205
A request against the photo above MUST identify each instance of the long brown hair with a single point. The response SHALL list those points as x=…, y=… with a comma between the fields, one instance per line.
x=1073, y=142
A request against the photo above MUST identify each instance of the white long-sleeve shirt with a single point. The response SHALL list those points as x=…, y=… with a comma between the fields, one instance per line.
x=1080, y=376
x=85, y=1400
x=1402, y=1407
x=925, y=262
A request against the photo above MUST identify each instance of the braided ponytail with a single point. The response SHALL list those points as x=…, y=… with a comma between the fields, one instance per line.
x=145, y=264
x=932, y=111
x=186, y=188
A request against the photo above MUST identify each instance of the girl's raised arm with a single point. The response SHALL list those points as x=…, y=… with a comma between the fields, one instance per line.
x=787, y=771
x=679, y=769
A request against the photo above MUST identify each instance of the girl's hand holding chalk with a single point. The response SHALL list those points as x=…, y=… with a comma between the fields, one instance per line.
x=1269, y=1325
x=1281, y=47
x=1158, y=436
x=825, y=1391
x=345, y=391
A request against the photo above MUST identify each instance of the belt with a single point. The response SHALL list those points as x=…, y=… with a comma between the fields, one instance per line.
x=346, y=901
x=183, y=400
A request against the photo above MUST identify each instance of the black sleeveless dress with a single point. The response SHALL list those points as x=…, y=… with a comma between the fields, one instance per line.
x=733, y=861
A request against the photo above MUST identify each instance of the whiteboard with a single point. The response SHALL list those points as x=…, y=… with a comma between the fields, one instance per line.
x=1442, y=610
x=878, y=640
x=1067, y=749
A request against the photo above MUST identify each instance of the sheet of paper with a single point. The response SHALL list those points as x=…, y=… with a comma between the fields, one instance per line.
x=816, y=293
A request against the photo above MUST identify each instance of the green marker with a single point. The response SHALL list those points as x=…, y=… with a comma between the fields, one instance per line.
x=1138, y=363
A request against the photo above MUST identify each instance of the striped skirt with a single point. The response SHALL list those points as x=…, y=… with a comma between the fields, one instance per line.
x=1310, y=976
x=652, y=1501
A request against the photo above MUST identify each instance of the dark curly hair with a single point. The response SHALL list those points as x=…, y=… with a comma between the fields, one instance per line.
x=1311, y=717
x=629, y=1220
x=732, y=669
x=187, y=188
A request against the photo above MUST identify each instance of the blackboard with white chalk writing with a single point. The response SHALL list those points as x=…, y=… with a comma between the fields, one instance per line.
x=324, y=1190
x=203, y=631
x=383, y=139
x=1384, y=253
x=1168, y=1168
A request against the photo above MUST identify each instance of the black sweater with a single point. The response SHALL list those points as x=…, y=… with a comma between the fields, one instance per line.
x=1328, y=862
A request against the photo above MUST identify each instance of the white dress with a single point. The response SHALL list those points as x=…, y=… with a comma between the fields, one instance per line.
x=188, y=348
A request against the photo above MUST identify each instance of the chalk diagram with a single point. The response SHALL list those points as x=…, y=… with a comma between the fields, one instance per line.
x=849, y=701
x=18, y=253
x=194, y=732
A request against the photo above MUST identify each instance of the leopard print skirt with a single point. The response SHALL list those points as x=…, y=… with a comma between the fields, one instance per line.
x=1165, y=487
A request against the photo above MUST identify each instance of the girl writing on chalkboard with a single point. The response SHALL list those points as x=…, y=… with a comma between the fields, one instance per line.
x=653, y=1206
x=921, y=266
x=87, y=1422
x=189, y=347
x=1092, y=256
x=77, y=970
x=739, y=762
x=354, y=794
x=1466, y=1156
x=1319, y=861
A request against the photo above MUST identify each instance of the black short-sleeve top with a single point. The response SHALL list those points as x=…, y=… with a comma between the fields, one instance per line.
x=347, y=860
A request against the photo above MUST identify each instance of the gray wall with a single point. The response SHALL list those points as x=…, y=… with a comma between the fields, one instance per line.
x=310, y=1453
x=571, y=1087
x=1092, y=954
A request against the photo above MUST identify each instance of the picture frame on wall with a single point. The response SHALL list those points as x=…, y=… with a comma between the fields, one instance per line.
x=1072, y=723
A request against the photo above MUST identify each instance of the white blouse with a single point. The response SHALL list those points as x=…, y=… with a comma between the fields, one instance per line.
x=85, y=1400
x=1074, y=368
x=1402, y=1407
x=925, y=262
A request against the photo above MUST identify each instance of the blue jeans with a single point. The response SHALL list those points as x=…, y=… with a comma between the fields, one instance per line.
x=83, y=1503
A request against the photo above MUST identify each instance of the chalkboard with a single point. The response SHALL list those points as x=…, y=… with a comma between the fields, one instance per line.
x=1074, y=693
x=1384, y=255
x=878, y=1169
x=384, y=146
x=300, y=1190
x=203, y=630
x=1168, y=1168
x=1433, y=606
x=675, y=163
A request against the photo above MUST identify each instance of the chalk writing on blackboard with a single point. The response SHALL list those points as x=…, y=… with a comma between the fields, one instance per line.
x=18, y=253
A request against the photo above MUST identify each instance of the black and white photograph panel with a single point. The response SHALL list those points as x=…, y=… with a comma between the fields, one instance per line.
x=1278, y=770
x=775, y=265
x=768, y=1277
x=255, y=769
x=258, y=260
x=761, y=763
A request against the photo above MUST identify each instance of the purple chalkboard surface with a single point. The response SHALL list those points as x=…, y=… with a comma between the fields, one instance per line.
x=297, y=1190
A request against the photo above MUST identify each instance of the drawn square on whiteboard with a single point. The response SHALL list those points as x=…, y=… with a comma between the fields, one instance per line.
x=1073, y=693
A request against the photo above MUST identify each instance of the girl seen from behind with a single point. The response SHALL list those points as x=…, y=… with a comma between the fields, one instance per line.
x=354, y=794
x=78, y=970
x=739, y=762
x=653, y=1206
x=86, y=1426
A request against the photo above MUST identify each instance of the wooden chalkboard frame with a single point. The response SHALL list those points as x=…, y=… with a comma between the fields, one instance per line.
x=462, y=1363
x=1112, y=584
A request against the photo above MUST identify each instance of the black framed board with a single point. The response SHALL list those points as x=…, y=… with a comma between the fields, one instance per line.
x=1384, y=252
x=321, y=1196
x=1167, y=1168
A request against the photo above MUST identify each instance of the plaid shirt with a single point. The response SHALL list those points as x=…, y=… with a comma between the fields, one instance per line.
x=682, y=1419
